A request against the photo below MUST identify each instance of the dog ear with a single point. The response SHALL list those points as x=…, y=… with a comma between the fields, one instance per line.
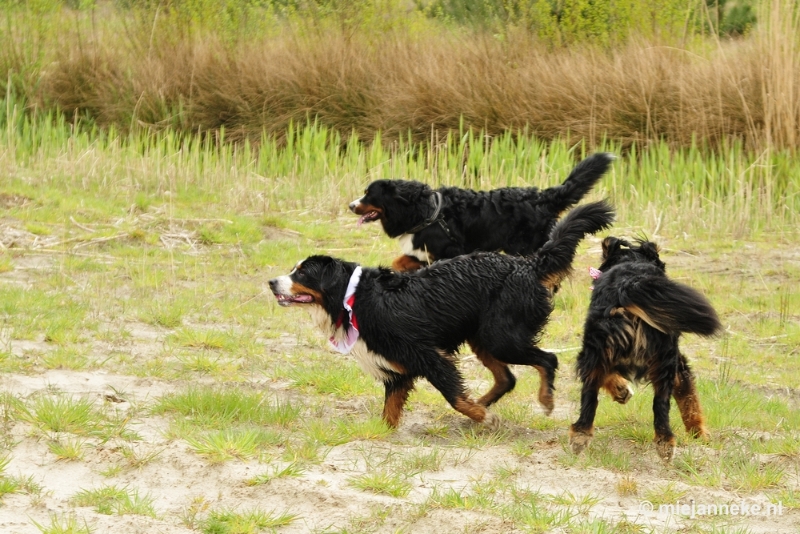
x=610, y=246
x=400, y=192
x=650, y=250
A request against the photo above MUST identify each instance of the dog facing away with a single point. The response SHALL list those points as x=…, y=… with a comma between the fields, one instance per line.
x=636, y=316
x=448, y=222
x=402, y=326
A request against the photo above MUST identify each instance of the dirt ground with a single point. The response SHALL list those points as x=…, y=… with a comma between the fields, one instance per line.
x=182, y=482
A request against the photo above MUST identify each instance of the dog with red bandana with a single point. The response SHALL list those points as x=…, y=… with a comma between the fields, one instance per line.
x=403, y=326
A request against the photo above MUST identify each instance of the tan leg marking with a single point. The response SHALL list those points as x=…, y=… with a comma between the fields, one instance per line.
x=545, y=394
x=618, y=387
x=406, y=263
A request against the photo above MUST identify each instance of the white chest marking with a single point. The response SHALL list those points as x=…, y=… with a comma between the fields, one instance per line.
x=371, y=363
x=407, y=246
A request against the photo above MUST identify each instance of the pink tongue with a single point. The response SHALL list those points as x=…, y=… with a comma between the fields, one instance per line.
x=361, y=220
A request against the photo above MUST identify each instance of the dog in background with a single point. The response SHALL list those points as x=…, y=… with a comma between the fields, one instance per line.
x=636, y=316
x=449, y=221
x=402, y=326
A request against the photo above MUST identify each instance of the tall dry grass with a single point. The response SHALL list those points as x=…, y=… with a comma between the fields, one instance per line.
x=402, y=83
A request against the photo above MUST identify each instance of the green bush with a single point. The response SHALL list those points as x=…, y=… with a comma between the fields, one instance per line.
x=571, y=21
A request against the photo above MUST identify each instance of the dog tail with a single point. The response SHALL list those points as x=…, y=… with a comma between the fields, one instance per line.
x=554, y=259
x=669, y=306
x=579, y=182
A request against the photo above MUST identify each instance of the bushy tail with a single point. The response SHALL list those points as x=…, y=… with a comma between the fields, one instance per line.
x=579, y=182
x=554, y=259
x=670, y=307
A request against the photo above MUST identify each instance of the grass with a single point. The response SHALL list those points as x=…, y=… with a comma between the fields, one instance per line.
x=173, y=317
x=233, y=522
x=60, y=413
x=222, y=445
x=292, y=469
x=70, y=450
x=64, y=524
x=113, y=500
x=210, y=407
x=384, y=483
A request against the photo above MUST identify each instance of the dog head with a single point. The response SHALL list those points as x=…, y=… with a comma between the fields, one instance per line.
x=398, y=204
x=317, y=280
x=617, y=251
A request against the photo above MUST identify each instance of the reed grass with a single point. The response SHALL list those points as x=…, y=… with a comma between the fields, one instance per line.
x=373, y=78
x=656, y=188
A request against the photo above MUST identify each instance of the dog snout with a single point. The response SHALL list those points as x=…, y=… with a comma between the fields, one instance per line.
x=354, y=204
x=273, y=284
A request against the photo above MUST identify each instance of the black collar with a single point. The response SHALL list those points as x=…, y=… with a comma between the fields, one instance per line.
x=436, y=200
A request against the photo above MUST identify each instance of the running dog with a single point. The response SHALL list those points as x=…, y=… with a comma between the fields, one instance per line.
x=636, y=316
x=449, y=221
x=403, y=326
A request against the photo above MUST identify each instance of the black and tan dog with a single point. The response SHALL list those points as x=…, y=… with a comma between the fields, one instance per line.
x=402, y=326
x=635, y=318
x=449, y=221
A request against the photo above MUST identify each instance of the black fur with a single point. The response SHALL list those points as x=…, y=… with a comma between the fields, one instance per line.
x=635, y=319
x=514, y=220
x=415, y=322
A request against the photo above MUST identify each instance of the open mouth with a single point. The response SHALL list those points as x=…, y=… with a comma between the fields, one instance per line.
x=288, y=300
x=369, y=217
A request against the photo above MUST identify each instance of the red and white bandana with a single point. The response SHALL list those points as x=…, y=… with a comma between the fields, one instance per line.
x=345, y=345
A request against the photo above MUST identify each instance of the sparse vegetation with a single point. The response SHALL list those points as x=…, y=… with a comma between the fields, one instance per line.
x=233, y=522
x=138, y=339
x=113, y=500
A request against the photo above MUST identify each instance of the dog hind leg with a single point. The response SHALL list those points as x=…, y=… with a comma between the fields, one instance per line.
x=544, y=362
x=504, y=379
x=443, y=374
x=685, y=394
x=664, y=438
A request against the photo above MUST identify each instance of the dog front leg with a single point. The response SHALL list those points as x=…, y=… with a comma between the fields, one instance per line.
x=618, y=387
x=406, y=263
x=397, y=391
x=582, y=431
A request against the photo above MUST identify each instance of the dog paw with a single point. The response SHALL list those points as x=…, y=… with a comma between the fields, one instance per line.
x=700, y=433
x=491, y=421
x=623, y=395
x=546, y=400
x=579, y=441
x=666, y=449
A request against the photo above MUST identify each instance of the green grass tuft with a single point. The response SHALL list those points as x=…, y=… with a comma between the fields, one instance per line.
x=250, y=522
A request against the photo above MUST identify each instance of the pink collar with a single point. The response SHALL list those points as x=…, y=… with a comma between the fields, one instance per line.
x=346, y=342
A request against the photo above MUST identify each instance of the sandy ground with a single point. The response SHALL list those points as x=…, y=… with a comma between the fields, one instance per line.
x=321, y=497
x=181, y=481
